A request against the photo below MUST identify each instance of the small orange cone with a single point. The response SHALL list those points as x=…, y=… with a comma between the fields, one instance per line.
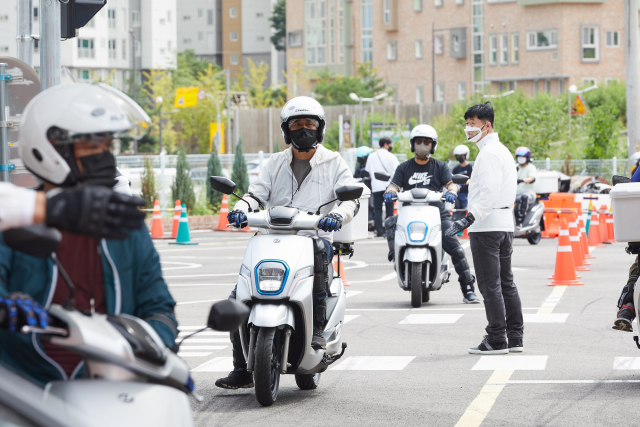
x=465, y=235
x=585, y=244
x=157, y=230
x=610, y=228
x=594, y=232
x=395, y=208
x=340, y=271
x=604, y=232
x=565, y=273
x=576, y=246
x=583, y=249
x=224, y=210
x=176, y=219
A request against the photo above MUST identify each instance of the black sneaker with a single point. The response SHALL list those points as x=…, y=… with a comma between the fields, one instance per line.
x=515, y=345
x=392, y=256
x=486, y=347
x=470, y=298
x=235, y=380
x=624, y=322
x=318, y=342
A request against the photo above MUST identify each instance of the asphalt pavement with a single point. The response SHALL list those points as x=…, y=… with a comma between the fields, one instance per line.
x=407, y=366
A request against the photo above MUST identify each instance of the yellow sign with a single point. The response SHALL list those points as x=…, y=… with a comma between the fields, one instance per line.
x=579, y=106
x=186, y=97
x=213, y=132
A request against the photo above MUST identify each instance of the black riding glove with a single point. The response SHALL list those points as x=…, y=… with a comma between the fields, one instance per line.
x=18, y=310
x=460, y=225
x=94, y=211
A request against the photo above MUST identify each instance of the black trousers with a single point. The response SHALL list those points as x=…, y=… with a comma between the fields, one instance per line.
x=491, y=253
x=378, y=200
x=524, y=202
x=626, y=298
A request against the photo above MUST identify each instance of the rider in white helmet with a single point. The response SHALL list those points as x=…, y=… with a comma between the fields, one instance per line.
x=423, y=171
x=461, y=153
x=303, y=176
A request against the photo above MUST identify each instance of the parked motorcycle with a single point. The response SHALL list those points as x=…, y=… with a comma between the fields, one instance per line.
x=420, y=261
x=276, y=282
x=130, y=377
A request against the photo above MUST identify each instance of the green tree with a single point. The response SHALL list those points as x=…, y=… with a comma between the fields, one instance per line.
x=276, y=147
x=189, y=68
x=332, y=89
x=149, y=192
x=182, y=187
x=213, y=169
x=603, y=131
x=239, y=174
x=279, y=25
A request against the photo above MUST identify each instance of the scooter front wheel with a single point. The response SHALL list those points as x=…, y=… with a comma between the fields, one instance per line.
x=534, y=238
x=308, y=382
x=266, y=373
x=415, y=280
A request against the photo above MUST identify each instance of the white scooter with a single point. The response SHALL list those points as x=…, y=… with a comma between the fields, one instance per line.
x=420, y=261
x=130, y=377
x=276, y=281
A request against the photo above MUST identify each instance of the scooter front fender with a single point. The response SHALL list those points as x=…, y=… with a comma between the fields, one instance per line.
x=421, y=254
x=272, y=316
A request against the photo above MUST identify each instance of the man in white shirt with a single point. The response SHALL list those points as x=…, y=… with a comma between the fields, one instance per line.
x=492, y=192
x=381, y=161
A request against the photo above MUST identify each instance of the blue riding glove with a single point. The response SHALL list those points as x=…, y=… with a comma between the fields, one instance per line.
x=390, y=196
x=460, y=225
x=451, y=196
x=237, y=218
x=18, y=310
x=330, y=222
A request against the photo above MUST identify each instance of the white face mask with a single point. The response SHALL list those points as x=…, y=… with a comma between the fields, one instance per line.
x=478, y=135
x=521, y=160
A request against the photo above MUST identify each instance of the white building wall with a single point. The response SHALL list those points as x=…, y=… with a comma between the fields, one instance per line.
x=195, y=30
x=159, y=34
x=8, y=27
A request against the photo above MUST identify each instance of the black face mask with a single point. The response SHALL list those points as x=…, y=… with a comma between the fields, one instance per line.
x=391, y=148
x=460, y=159
x=98, y=169
x=304, y=139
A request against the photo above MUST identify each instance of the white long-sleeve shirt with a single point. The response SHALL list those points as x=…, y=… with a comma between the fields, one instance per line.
x=381, y=161
x=17, y=206
x=492, y=189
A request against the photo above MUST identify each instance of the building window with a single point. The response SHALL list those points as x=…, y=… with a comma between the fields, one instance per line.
x=493, y=49
x=462, y=91
x=209, y=16
x=186, y=18
x=419, y=95
x=162, y=51
x=168, y=16
x=560, y=87
x=91, y=23
x=438, y=45
x=392, y=51
x=36, y=46
x=35, y=13
x=439, y=92
x=200, y=36
x=4, y=48
x=316, y=42
x=367, y=30
x=234, y=59
x=417, y=5
x=341, y=31
x=545, y=39
x=103, y=44
x=459, y=2
x=85, y=48
x=386, y=12
x=260, y=38
x=547, y=86
x=210, y=40
x=124, y=49
x=259, y=15
x=590, y=44
x=613, y=39
x=233, y=36
x=84, y=75
x=589, y=81
x=477, y=45
x=169, y=45
x=512, y=85
x=162, y=21
x=200, y=13
x=186, y=41
x=112, y=49
x=135, y=18
x=504, y=49
x=233, y=12
x=536, y=83
x=419, y=54
x=111, y=15
x=138, y=49
x=611, y=80
x=295, y=39
x=437, y=3
x=515, y=48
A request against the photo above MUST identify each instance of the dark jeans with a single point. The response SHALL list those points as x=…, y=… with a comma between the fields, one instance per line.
x=239, y=362
x=524, y=202
x=626, y=298
x=491, y=253
x=377, y=211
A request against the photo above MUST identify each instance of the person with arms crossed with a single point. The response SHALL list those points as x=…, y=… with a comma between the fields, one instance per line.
x=381, y=161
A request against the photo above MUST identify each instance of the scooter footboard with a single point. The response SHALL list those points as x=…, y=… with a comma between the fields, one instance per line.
x=272, y=316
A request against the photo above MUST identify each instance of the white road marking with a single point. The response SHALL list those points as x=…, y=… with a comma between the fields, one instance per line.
x=545, y=318
x=374, y=363
x=196, y=341
x=461, y=308
x=430, y=319
x=511, y=363
x=184, y=285
x=626, y=363
x=217, y=364
x=203, y=333
x=571, y=381
x=353, y=293
x=197, y=302
x=193, y=353
x=183, y=265
x=349, y=317
x=210, y=248
x=201, y=275
x=203, y=347
x=372, y=242
x=384, y=278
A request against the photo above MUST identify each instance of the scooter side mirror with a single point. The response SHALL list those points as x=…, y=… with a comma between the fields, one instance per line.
x=349, y=192
x=227, y=315
x=222, y=184
x=36, y=240
x=460, y=179
x=382, y=176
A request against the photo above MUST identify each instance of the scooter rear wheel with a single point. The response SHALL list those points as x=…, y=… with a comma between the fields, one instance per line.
x=308, y=382
x=415, y=279
x=534, y=238
x=266, y=373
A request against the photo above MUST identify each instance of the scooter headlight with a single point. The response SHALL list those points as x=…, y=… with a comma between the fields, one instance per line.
x=271, y=276
x=417, y=231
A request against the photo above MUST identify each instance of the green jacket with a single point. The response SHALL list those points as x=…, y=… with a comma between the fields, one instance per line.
x=133, y=284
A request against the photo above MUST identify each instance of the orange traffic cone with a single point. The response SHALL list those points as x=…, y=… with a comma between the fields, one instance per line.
x=585, y=244
x=224, y=210
x=157, y=230
x=594, y=232
x=604, y=233
x=395, y=208
x=576, y=246
x=340, y=271
x=176, y=219
x=610, y=228
x=465, y=235
x=565, y=273
x=583, y=249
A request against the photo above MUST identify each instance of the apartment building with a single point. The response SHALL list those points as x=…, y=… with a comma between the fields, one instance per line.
x=445, y=50
x=122, y=32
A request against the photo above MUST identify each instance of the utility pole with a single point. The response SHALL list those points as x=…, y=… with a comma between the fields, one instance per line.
x=25, y=30
x=632, y=64
x=5, y=167
x=229, y=140
x=133, y=65
x=50, y=33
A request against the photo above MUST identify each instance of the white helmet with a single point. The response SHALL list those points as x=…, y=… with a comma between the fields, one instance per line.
x=424, y=131
x=298, y=108
x=461, y=150
x=59, y=113
x=635, y=156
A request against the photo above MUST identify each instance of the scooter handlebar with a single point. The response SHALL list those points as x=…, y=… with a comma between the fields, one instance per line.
x=302, y=221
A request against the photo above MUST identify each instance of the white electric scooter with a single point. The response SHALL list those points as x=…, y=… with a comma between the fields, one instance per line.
x=420, y=261
x=130, y=377
x=276, y=281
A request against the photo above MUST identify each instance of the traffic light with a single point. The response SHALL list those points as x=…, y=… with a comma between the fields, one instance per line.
x=74, y=14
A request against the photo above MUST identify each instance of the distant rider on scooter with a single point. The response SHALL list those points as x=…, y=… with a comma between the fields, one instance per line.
x=461, y=153
x=526, y=192
x=423, y=171
x=303, y=176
